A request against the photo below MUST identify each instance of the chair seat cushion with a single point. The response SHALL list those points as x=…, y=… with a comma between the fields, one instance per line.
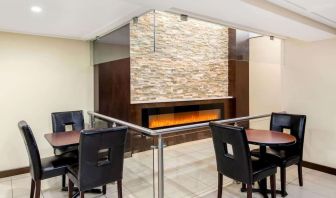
x=56, y=166
x=261, y=169
x=73, y=173
x=66, y=150
x=73, y=169
x=280, y=157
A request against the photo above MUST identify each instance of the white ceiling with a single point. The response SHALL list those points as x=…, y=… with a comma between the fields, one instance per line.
x=86, y=19
x=78, y=19
x=241, y=14
x=323, y=11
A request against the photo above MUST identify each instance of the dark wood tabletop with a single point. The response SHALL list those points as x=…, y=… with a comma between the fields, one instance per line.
x=62, y=139
x=269, y=138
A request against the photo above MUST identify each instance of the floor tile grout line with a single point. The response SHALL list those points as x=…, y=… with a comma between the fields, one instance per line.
x=12, y=187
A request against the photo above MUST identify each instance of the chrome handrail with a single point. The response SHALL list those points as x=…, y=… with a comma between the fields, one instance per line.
x=157, y=132
x=160, y=132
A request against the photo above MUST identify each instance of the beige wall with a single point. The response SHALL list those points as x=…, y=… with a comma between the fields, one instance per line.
x=309, y=88
x=104, y=52
x=303, y=84
x=190, y=59
x=265, y=78
x=39, y=75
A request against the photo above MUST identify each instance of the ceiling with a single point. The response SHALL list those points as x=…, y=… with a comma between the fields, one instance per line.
x=323, y=11
x=87, y=19
x=77, y=19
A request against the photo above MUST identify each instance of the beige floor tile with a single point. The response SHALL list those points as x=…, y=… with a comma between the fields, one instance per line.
x=21, y=186
x=315, y=185
x=190, y=172
x=6, y=189
x=5, y=179
x=21, y=176
x=185, y=183
x=54, y=193
x=307, y=191
x=140, y=189
x=111, y=193
x=174, y=191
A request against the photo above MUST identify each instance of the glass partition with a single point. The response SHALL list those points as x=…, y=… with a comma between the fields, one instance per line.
x=113, y=46
x=138, y=175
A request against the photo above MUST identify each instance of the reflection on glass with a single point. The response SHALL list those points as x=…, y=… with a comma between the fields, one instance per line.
x=113, y=46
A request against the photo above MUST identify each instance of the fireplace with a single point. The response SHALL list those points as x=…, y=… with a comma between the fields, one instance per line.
x=163, y=117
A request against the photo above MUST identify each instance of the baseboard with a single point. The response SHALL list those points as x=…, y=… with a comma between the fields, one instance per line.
x=319, y=167
x=12, y=172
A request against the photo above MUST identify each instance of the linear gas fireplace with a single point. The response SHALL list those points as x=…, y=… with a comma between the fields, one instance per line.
x=163, y=117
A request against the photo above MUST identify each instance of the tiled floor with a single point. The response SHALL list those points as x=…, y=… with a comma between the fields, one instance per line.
x=190, y=171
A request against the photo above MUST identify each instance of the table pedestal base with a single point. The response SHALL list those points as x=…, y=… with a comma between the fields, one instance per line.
x=76, y=191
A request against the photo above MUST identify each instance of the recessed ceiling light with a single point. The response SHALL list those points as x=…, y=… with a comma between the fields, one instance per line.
x=36, y=9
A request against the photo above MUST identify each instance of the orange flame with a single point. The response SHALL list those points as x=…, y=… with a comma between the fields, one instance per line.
x=171, y=119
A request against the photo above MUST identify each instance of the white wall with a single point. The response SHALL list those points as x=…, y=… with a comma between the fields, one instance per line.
x=309, y=87
x=265, y=78
x=39, y=75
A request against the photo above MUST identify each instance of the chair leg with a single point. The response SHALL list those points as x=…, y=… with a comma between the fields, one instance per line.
x=63, y=181
x=37, y=188
x=104, y=190
x=32, y=188
x=300, y=173
x=249, y=190
x=119, y=184
x=243, y=187
x=273, y=193
x=81, y=194
x=70, y=189
x=220, y=185
x=283, y=181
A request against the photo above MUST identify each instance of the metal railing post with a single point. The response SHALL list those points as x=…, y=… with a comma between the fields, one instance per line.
x=160, y=167
x=92, y=121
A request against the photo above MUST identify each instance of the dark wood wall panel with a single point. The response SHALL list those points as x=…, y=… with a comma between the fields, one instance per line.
x=239, y=70
x=114, y=88
x=240, y=88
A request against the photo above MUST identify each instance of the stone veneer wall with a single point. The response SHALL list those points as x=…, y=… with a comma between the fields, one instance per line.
x=190, y=59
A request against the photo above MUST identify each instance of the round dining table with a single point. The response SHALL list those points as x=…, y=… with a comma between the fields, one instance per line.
x=264, y=138
x=269, y=138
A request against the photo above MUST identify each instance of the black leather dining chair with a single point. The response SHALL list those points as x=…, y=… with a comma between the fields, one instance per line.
x=238, y=164
x=45, y=168
x=101, y=159
x=288, y=155
x=60, y=120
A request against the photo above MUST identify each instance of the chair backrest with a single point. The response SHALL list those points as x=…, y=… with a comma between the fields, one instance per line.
x=295, y=123
x=32, y=149
x=61, y=119
x=101, y=156
x=236, y=165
